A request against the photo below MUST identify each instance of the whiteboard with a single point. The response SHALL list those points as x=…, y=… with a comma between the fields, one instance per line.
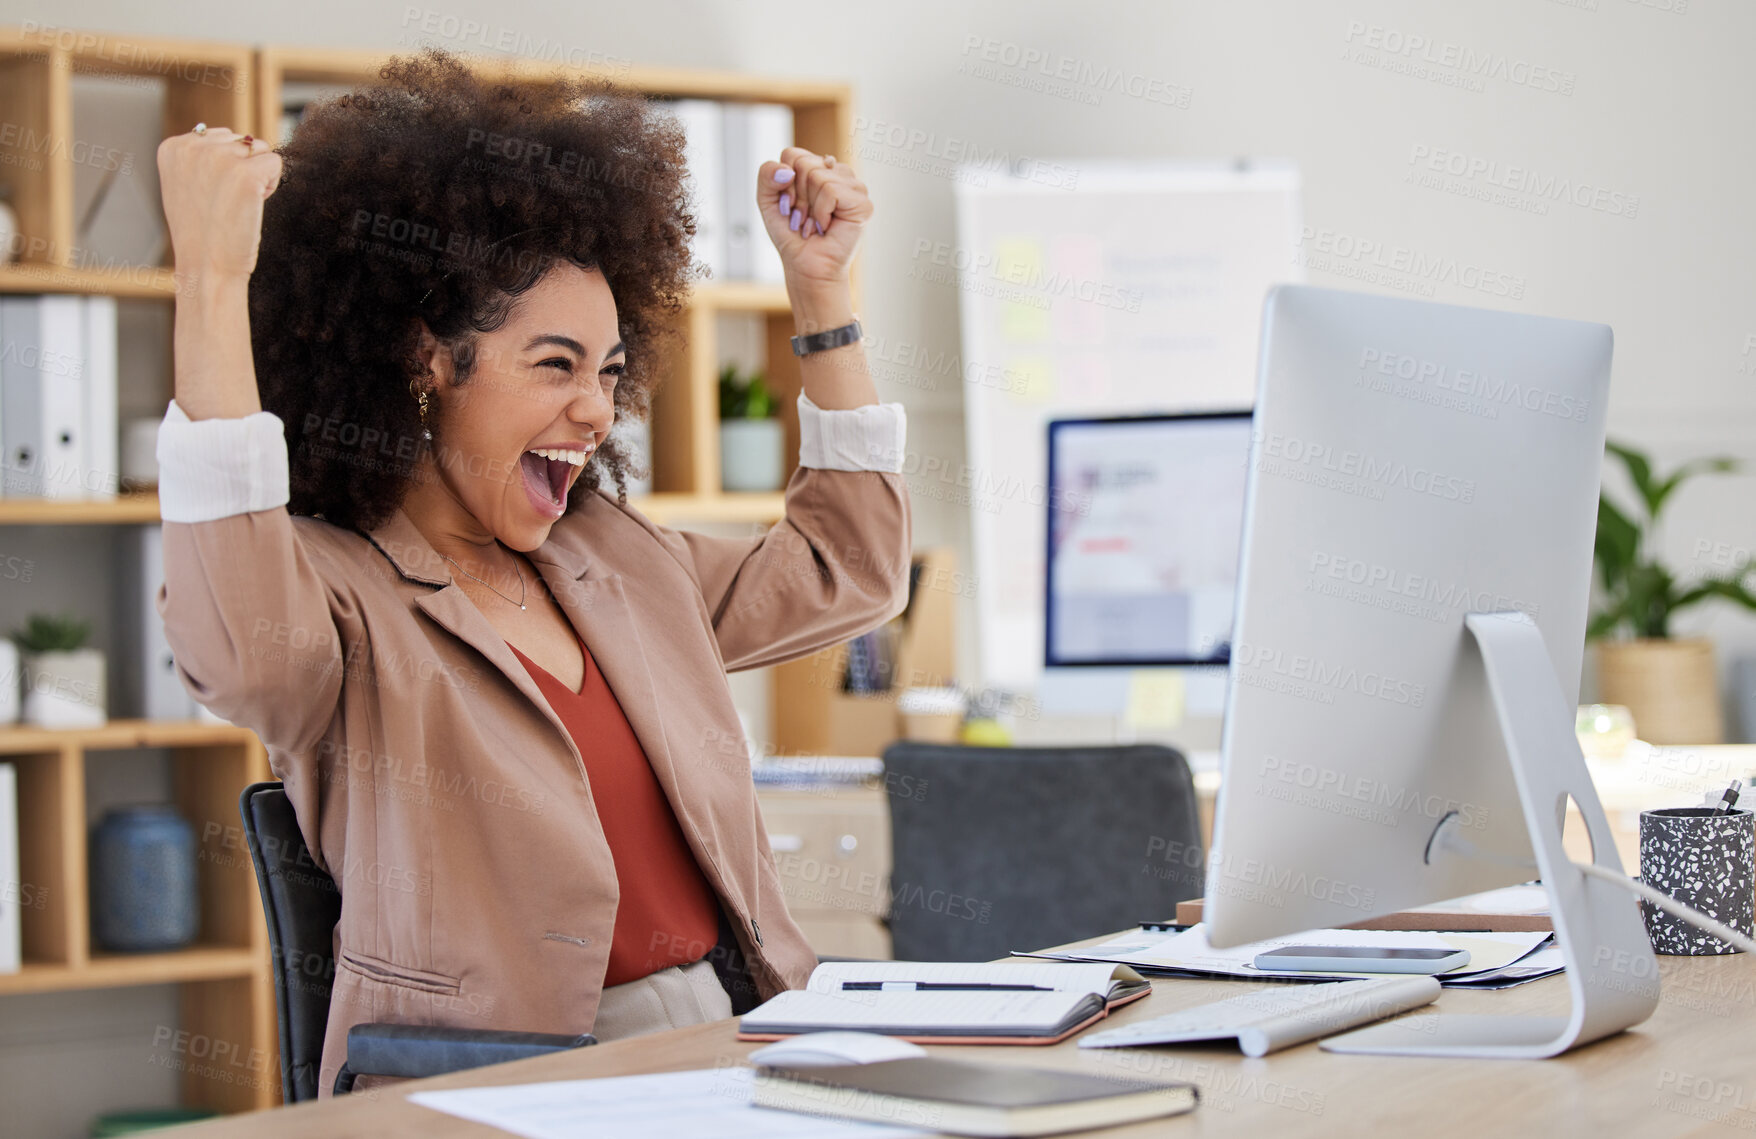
x=1122, y=289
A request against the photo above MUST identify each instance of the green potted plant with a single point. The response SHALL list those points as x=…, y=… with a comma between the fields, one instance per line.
x=1668, y=682
x=63, y=679
x=751, y=438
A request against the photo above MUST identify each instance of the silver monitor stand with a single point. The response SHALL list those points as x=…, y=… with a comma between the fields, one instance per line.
x=1611, y=974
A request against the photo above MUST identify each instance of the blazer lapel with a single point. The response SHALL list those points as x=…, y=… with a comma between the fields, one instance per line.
x=595, y=604
x=415, y=559
x=598, y=608
x=458, y=615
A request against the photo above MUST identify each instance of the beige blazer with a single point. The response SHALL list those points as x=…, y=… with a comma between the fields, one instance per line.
x=434, y=783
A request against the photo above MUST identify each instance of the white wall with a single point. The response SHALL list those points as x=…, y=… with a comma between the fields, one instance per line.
x=1653, y=111
x=1657, y=108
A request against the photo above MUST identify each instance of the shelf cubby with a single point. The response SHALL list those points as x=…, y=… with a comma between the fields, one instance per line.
x=224, y=975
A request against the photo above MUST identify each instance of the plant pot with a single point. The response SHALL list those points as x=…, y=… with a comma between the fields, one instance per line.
x=1670, y=686
x=144, y=897
x=64, y=690
x=9, y=682
x=750, y=457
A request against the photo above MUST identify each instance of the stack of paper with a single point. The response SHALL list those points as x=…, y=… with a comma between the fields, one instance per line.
x=711, y=1103
x=949, y=1002
x=811, y=770
x=1494, y=957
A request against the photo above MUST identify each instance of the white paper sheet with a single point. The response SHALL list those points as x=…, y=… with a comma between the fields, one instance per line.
x=1060, y=976
x=911, y=1013
x=1190, y=950
x=710, y=1103
x=1545, y=961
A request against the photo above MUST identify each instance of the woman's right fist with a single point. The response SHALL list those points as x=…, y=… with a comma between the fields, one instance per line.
x=213, y=186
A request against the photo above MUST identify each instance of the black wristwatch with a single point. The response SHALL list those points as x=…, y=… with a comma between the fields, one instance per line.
x=832, y=338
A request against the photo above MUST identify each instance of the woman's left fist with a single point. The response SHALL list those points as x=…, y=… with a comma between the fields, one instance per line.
x=814, y=209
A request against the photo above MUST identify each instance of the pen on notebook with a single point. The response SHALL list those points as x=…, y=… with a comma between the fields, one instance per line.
x=915, y=987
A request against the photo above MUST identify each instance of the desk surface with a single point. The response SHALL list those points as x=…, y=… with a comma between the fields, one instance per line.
x=1689, y=1070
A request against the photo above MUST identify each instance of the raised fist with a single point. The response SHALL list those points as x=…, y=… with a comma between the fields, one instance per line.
x=213, y=185
x=825, y=209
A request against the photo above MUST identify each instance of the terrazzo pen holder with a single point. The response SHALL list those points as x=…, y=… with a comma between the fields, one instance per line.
x=1706, y=860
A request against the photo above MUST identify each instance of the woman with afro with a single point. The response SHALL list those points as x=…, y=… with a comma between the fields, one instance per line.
x=398, y=544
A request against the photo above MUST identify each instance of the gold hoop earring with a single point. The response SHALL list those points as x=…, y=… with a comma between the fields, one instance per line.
x=421, y=399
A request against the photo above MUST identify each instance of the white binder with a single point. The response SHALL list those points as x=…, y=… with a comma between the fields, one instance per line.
x=740, y=179
x=42, y=388
x=102, y=474
x=11, y=888
x=704, y=155
x=769, y=131
x=147, y=682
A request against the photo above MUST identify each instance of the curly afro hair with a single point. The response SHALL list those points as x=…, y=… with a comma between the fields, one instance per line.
x=439, y=195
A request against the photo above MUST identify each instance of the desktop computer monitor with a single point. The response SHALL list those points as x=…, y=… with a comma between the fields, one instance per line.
x=1413, y=464
x=1145, y=514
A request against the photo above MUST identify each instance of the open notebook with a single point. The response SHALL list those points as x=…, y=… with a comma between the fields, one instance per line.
x=1005, y=1002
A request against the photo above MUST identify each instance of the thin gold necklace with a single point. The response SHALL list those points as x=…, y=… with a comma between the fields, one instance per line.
x=523, y=588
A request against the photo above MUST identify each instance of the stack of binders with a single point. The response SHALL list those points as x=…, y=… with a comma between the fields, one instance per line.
x=58, y=419
x=725, y=145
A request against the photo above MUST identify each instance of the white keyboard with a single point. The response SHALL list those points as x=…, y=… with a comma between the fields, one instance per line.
x=1278, y=1016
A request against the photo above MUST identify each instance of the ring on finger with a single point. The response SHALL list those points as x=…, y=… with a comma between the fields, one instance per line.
x=200, y=128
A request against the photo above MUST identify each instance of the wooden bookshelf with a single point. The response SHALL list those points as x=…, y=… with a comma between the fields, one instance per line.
x=226, y=991
x=134, y=282
x=199, y=82
x=112, y=970
x=142, y=507
x=224, y=977
x=136, y=508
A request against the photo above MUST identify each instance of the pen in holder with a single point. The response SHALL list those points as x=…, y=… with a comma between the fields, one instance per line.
x=1705, y=858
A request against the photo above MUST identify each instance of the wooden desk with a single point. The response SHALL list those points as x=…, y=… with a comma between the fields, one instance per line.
x=1689, y=1070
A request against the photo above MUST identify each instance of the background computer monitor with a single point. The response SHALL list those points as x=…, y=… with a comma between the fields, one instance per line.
x=1145, y=514
x=1413, y=462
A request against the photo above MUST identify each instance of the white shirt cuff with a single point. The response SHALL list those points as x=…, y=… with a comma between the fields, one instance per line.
x=215, y=468
x=868, y=438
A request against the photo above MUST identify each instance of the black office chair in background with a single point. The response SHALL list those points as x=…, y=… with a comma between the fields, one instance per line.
x=302, y=905
x=997, y=849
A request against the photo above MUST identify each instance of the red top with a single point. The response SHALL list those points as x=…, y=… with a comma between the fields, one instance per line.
x=668, y=914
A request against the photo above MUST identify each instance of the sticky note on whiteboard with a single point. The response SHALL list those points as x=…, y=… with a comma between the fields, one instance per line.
x=1024, y=322
x=1031, y=378
x=1155, y=698
x=1019, y=261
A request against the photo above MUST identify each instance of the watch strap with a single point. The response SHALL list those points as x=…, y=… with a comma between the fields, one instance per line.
x=829, y=338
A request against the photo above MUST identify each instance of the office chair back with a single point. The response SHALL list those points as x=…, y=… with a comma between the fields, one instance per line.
x=997, y=849
x=302, y=905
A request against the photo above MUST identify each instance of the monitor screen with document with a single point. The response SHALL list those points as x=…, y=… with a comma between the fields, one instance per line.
x=1145, y=519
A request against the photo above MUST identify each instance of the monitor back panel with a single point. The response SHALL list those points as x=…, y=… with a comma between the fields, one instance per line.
x=1411, y=463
